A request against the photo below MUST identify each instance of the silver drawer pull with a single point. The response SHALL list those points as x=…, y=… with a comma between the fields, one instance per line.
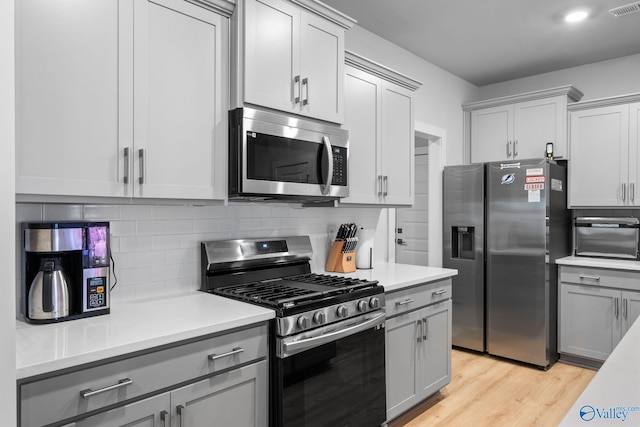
x=236, y=350
x=438, y=293
x=405, y=302
x=121, y=383
x=584, y=276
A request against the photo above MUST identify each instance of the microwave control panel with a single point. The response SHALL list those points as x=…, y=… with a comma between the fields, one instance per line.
x=339, y=166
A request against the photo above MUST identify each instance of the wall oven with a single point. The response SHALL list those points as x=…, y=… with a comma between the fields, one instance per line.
x=273, y=156
x=327, y=341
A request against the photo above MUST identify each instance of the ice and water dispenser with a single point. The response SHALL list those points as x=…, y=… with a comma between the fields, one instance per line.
x=463, y=242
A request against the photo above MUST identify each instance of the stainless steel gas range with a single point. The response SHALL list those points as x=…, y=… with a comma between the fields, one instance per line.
x=327, y=342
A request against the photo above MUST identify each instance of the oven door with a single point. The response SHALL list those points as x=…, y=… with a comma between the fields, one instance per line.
x=338, y=381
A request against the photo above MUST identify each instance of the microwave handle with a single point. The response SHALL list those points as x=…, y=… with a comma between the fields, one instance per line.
x=329, y=178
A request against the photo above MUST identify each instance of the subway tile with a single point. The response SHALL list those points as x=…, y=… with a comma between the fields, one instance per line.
x=136, y=212
x=182, y=226
x=161, y=243
x=167, y=212
x=102, y=212
x=122, y=228
x=29, y=212
x=63, y=213
x=151, y=228
x=135, y=244
x=135, y=275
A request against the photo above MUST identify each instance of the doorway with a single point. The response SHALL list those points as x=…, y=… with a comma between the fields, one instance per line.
x=423, y=237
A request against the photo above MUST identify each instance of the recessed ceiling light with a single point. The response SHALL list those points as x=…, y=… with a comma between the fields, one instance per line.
x=576, y=16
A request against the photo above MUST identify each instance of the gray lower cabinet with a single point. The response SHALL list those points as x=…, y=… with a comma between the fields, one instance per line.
x=597, y=308
x=221, y=377
x=418, y=344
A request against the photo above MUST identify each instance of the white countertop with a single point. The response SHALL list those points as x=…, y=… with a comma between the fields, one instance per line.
x=135, y=326
x=394, y=277
x=130, y=327
x=613, y=395
x=616, y=264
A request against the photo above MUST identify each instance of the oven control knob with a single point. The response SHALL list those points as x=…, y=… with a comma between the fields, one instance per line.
x=363, y=306
x=303, y=322
x=342, y=311
x=319, y=317
x=374, y=303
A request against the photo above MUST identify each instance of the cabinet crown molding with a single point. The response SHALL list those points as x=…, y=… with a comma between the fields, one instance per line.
x=604, y=102
x=379, y=70
x=570, y=91
x=223, y=7
x=327, y=12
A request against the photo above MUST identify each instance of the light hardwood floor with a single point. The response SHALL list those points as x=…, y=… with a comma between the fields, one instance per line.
x=492, y=392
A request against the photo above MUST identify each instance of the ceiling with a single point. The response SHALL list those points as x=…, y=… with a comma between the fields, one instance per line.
x=490, y=41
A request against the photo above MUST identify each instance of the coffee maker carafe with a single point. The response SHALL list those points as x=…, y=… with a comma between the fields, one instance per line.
x=65, y=272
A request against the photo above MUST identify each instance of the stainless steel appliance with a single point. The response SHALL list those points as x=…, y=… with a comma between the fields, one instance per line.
x=607, y=237
x=327, y=342
x=277, y=157
x=65, y=270
x=505, y=224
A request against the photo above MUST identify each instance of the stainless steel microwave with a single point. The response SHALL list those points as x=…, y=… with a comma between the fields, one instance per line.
x=607, y=237
x=273, y=156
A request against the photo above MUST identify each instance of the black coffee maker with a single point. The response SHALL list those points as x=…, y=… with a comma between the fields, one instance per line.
x=65, y=272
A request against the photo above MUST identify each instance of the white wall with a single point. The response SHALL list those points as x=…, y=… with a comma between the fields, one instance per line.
x=7, y=189
x=597, y=80
x=439, y=99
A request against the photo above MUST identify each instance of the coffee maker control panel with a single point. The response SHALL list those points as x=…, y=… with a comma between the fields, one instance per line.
x=96, y=293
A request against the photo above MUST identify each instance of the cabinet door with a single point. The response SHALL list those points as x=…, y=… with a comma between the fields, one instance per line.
x=362, y=119
x=272, y=54
x=68, y=78
x=492, y=134
x=403, y=339
x=634, y=153
x=435, y=351
x=180, y=100
x=397, y=145
x=630, y=309
x=589, y=323
x=236, y=398
x=534, y=124
x=152, y=412
x=599, y=147
x=321, y=68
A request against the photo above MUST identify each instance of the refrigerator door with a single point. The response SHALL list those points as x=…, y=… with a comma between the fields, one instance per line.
x=463, y=249
x=517, y=283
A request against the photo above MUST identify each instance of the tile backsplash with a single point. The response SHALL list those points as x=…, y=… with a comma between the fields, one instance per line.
x=156, y=249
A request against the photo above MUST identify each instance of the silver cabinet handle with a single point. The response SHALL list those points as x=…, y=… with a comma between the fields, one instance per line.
x=235, y=350
x=385, y=179
x=182, y=414
x=632, y=192
x=141, y=157
x=296, y=84
x=419, y=322
x=305, y=84
x=425, y=329
x=615, y=308
x=121, y=383
x=125, y=176
x=329, y=178
x=379, y=185
x=587, y=277
x=438, y=293
x=624, y=191
x=165, y=418
x=508, y=148
x=515, y=148
x=405, y=302
x=625, y=308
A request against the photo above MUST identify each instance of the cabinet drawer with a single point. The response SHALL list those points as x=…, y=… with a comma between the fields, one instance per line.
x=590, y=276
x=417, y=296
x=60, y=397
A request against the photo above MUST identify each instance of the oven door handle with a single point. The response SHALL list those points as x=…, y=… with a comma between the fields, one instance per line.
x=289, y=349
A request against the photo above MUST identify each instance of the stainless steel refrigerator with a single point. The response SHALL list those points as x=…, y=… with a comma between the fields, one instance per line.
x=505, y=224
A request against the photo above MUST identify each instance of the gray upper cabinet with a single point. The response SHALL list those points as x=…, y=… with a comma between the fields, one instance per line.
x=520, y=126
x=290, y=57
x=87, y=67
x=604, y=141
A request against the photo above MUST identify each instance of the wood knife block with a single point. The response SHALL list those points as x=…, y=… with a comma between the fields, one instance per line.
x=338, y=261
